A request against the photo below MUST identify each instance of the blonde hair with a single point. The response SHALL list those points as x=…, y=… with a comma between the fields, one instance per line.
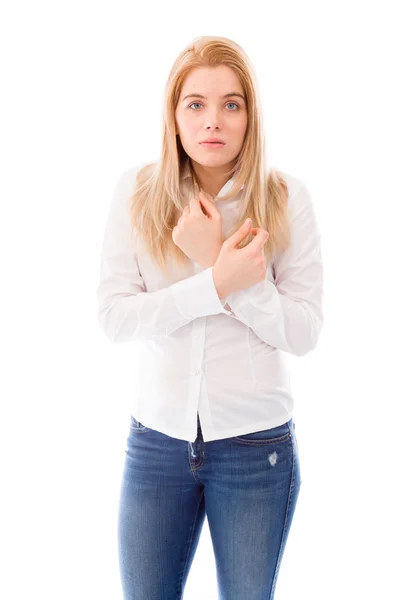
x=157, y=200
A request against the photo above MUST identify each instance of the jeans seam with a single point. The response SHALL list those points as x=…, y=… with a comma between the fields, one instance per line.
x=179, y=594
x=256, y=442
x=278, y=562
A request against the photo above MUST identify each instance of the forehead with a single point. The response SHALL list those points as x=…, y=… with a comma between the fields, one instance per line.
x=211, y=81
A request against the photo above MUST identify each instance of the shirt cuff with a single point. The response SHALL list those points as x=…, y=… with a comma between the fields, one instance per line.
x=197, y=296
x=239, y=298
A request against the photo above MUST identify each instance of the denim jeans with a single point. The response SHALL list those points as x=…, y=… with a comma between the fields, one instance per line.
x=246, y=485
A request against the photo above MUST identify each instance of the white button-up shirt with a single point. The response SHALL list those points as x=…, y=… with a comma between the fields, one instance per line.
x=223, y=359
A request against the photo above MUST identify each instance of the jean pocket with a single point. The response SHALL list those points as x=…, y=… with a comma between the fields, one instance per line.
x=275, y=435
x=136, y=426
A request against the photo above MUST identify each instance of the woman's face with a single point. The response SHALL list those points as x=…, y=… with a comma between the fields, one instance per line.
x=219, y=113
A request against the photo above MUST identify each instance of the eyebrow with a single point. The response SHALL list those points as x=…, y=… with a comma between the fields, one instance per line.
x=225, y=96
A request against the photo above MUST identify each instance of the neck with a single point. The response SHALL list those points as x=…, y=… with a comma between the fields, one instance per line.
x=212, y=179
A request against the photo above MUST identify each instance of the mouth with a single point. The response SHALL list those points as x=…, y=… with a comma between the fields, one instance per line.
x=212, y=144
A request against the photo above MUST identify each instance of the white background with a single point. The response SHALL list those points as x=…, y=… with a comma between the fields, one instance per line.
x=81, y=101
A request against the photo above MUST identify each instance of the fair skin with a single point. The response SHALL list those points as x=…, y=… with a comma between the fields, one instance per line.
x=221, y=113
x=212, y=116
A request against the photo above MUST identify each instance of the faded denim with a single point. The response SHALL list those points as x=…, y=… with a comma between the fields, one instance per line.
x=246, y=485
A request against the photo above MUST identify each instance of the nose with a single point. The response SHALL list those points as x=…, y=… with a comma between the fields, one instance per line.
x=212, y=120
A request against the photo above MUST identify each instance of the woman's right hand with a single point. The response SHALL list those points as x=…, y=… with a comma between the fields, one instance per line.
x=237, y=269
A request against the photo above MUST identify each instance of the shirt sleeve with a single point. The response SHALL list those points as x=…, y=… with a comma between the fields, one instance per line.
x=288, y=314
x=126, y=311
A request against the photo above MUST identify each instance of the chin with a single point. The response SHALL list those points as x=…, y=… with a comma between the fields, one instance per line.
x=216, y=161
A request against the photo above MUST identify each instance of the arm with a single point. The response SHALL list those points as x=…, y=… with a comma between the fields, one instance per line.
x=125, y=310
x=288, y=314
x=198, y=266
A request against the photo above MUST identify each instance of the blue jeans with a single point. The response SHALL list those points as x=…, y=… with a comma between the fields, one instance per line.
x=247, y=485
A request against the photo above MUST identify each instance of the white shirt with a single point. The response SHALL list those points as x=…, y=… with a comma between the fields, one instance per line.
x=197, y=353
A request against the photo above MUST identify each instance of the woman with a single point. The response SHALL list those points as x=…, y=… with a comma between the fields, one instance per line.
x=213, y=303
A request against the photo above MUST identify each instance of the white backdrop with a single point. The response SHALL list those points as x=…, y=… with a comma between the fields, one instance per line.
x=82, y=86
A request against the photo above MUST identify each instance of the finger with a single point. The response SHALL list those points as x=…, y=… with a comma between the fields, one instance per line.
x=203, y=196
x=238, y=235
x=259, y=239
x=195, y=207
x=208, y=205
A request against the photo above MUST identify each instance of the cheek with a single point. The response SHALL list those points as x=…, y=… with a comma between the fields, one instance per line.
x=183, y=126
x=243, y=129
x=189, y=130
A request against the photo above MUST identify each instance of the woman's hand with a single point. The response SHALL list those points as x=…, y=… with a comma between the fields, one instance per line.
x=198, y=232
x=239, y=268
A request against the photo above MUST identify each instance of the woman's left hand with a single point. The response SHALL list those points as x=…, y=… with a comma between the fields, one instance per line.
x=197, y=234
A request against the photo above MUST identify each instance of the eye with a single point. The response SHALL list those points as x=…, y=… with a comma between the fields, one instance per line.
x=237, y=105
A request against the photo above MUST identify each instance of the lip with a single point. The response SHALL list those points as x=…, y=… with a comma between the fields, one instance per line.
x=212, y=144
x=212, y=140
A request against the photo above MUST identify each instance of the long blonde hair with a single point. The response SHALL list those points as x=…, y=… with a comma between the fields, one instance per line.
x=157, y=200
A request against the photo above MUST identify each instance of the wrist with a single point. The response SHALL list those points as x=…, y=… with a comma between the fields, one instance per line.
x=206, y=264
x=210, y=260
x=221, y=290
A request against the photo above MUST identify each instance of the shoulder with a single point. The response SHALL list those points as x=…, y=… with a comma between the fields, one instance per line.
x=294, y=183
x=129, y=176
x=299, y=196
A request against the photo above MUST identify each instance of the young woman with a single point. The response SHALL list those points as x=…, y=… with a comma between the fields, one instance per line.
x=214, y=303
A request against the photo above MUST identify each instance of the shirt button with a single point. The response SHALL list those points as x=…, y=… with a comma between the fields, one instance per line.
x=197, y=371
